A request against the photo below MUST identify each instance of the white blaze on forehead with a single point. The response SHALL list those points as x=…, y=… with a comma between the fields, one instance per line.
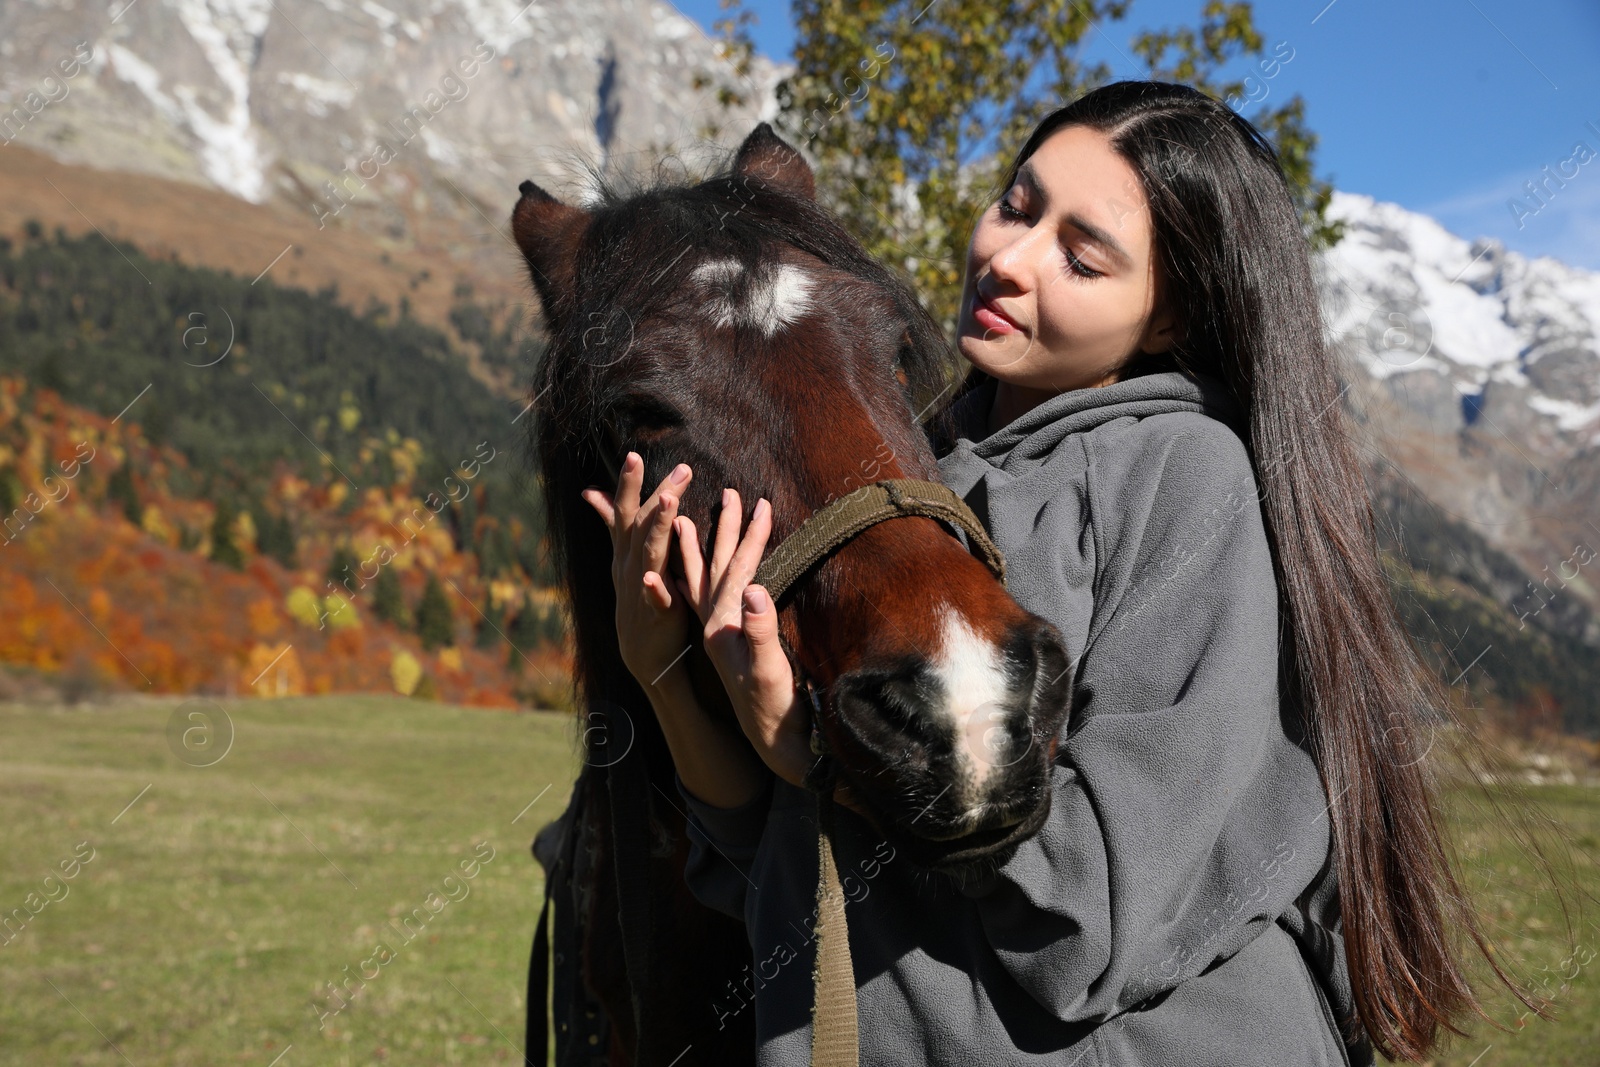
x=782, y=299
x=719, y=275
x=717, y=271
x=972, y=671
x=777, y=298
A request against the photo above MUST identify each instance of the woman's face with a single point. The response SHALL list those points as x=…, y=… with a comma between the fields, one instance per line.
x=1061, y=281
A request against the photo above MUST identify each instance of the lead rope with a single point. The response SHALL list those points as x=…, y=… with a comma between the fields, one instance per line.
x=834, y=1033
x=834, y=1037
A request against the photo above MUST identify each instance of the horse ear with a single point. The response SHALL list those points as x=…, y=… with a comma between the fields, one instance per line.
x=548, y=232
x=768, y=157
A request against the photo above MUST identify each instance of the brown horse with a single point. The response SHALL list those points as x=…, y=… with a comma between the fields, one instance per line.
x=735, y=326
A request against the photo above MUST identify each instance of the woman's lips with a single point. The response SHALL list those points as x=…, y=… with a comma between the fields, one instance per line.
x=991, y=318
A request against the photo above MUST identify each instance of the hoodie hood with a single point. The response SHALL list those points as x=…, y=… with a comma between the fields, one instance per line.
x=1030, y=438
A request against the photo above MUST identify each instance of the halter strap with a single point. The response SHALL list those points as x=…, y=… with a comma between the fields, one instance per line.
x=827, y=530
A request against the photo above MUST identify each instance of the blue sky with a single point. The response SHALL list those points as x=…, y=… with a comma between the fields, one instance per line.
x=1447, y=107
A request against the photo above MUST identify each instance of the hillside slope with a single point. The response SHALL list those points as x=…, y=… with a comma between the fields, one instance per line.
x=113, y=578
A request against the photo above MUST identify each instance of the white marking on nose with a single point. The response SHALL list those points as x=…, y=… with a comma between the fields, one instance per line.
x=972, y=672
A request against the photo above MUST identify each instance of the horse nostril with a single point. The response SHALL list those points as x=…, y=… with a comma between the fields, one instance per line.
x=889, y=712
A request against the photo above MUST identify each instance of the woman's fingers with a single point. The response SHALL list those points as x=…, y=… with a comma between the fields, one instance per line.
x=693, y=582
x=748, y=554
x=747, y=557
x=727, y=536
x=626, y=500
x=779, y=717
x=768, y=665
x=601, y=502
x=641, y=531
x=655, y=532
x=653, y=524
x=656, y=592
x=728, y=582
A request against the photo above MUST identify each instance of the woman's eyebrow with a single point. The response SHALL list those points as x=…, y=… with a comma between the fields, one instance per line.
x=1100, y=234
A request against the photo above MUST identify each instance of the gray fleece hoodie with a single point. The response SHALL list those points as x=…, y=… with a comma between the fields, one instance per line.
x=1178, y=907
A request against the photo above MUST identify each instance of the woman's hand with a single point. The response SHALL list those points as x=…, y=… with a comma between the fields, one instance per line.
x=653, y=625
x=741, y=636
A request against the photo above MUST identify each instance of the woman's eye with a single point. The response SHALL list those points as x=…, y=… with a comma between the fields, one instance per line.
x=1010, y=212
x=1078, y=266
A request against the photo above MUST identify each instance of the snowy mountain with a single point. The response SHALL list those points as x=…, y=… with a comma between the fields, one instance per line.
x=396, y=111
x=1471, y=313
x=1475, y=373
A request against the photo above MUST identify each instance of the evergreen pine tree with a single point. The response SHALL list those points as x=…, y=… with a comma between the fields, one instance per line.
x=387, y=602
x=491, y=624
x=120, y=490
x=552, y=627
x=524, y=632
x=223, y=549
x=343, y=568
x=536, y=562
x=494, y=551
x=274, y=535
x=434, y=624
x=10, y=492
x=458, y=525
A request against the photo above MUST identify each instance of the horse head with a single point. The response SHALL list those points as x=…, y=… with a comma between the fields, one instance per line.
x=735, y=326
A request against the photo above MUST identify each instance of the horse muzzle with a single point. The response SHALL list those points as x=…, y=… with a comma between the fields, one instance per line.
x=952, y=754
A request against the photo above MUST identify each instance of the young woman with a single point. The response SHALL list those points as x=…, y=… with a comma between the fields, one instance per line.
x=1242, y=863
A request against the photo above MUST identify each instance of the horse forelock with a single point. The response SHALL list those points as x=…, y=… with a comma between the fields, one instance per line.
x=643, y=246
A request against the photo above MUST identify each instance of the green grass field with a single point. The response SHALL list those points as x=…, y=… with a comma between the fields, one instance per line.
x=217, y=908
x=220, y=901
x=1525, y=923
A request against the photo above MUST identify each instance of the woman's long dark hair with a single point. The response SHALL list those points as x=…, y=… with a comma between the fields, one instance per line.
x=1237, y=271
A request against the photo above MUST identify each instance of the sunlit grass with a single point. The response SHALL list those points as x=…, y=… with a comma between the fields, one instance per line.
x=218, y=906
x=1527, y=928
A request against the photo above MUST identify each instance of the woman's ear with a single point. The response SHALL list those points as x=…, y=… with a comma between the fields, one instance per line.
x=1165, y=328
x=1162, y=333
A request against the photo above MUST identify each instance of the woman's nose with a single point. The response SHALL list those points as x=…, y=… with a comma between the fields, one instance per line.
x=1014, y=264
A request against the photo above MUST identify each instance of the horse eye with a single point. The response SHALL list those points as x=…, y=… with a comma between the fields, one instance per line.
x=903, y=356
x=649, y=417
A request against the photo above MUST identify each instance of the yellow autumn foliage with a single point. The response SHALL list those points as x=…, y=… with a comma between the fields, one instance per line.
x=303, y=606
x=405, y=672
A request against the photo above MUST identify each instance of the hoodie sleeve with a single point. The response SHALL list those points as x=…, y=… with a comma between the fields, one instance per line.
x=1183, y=818
x=722, y=848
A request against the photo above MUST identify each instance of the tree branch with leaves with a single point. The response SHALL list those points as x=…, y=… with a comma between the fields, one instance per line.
x=910, y=111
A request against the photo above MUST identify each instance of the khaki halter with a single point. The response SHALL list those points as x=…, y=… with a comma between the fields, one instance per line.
x=844, y=518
